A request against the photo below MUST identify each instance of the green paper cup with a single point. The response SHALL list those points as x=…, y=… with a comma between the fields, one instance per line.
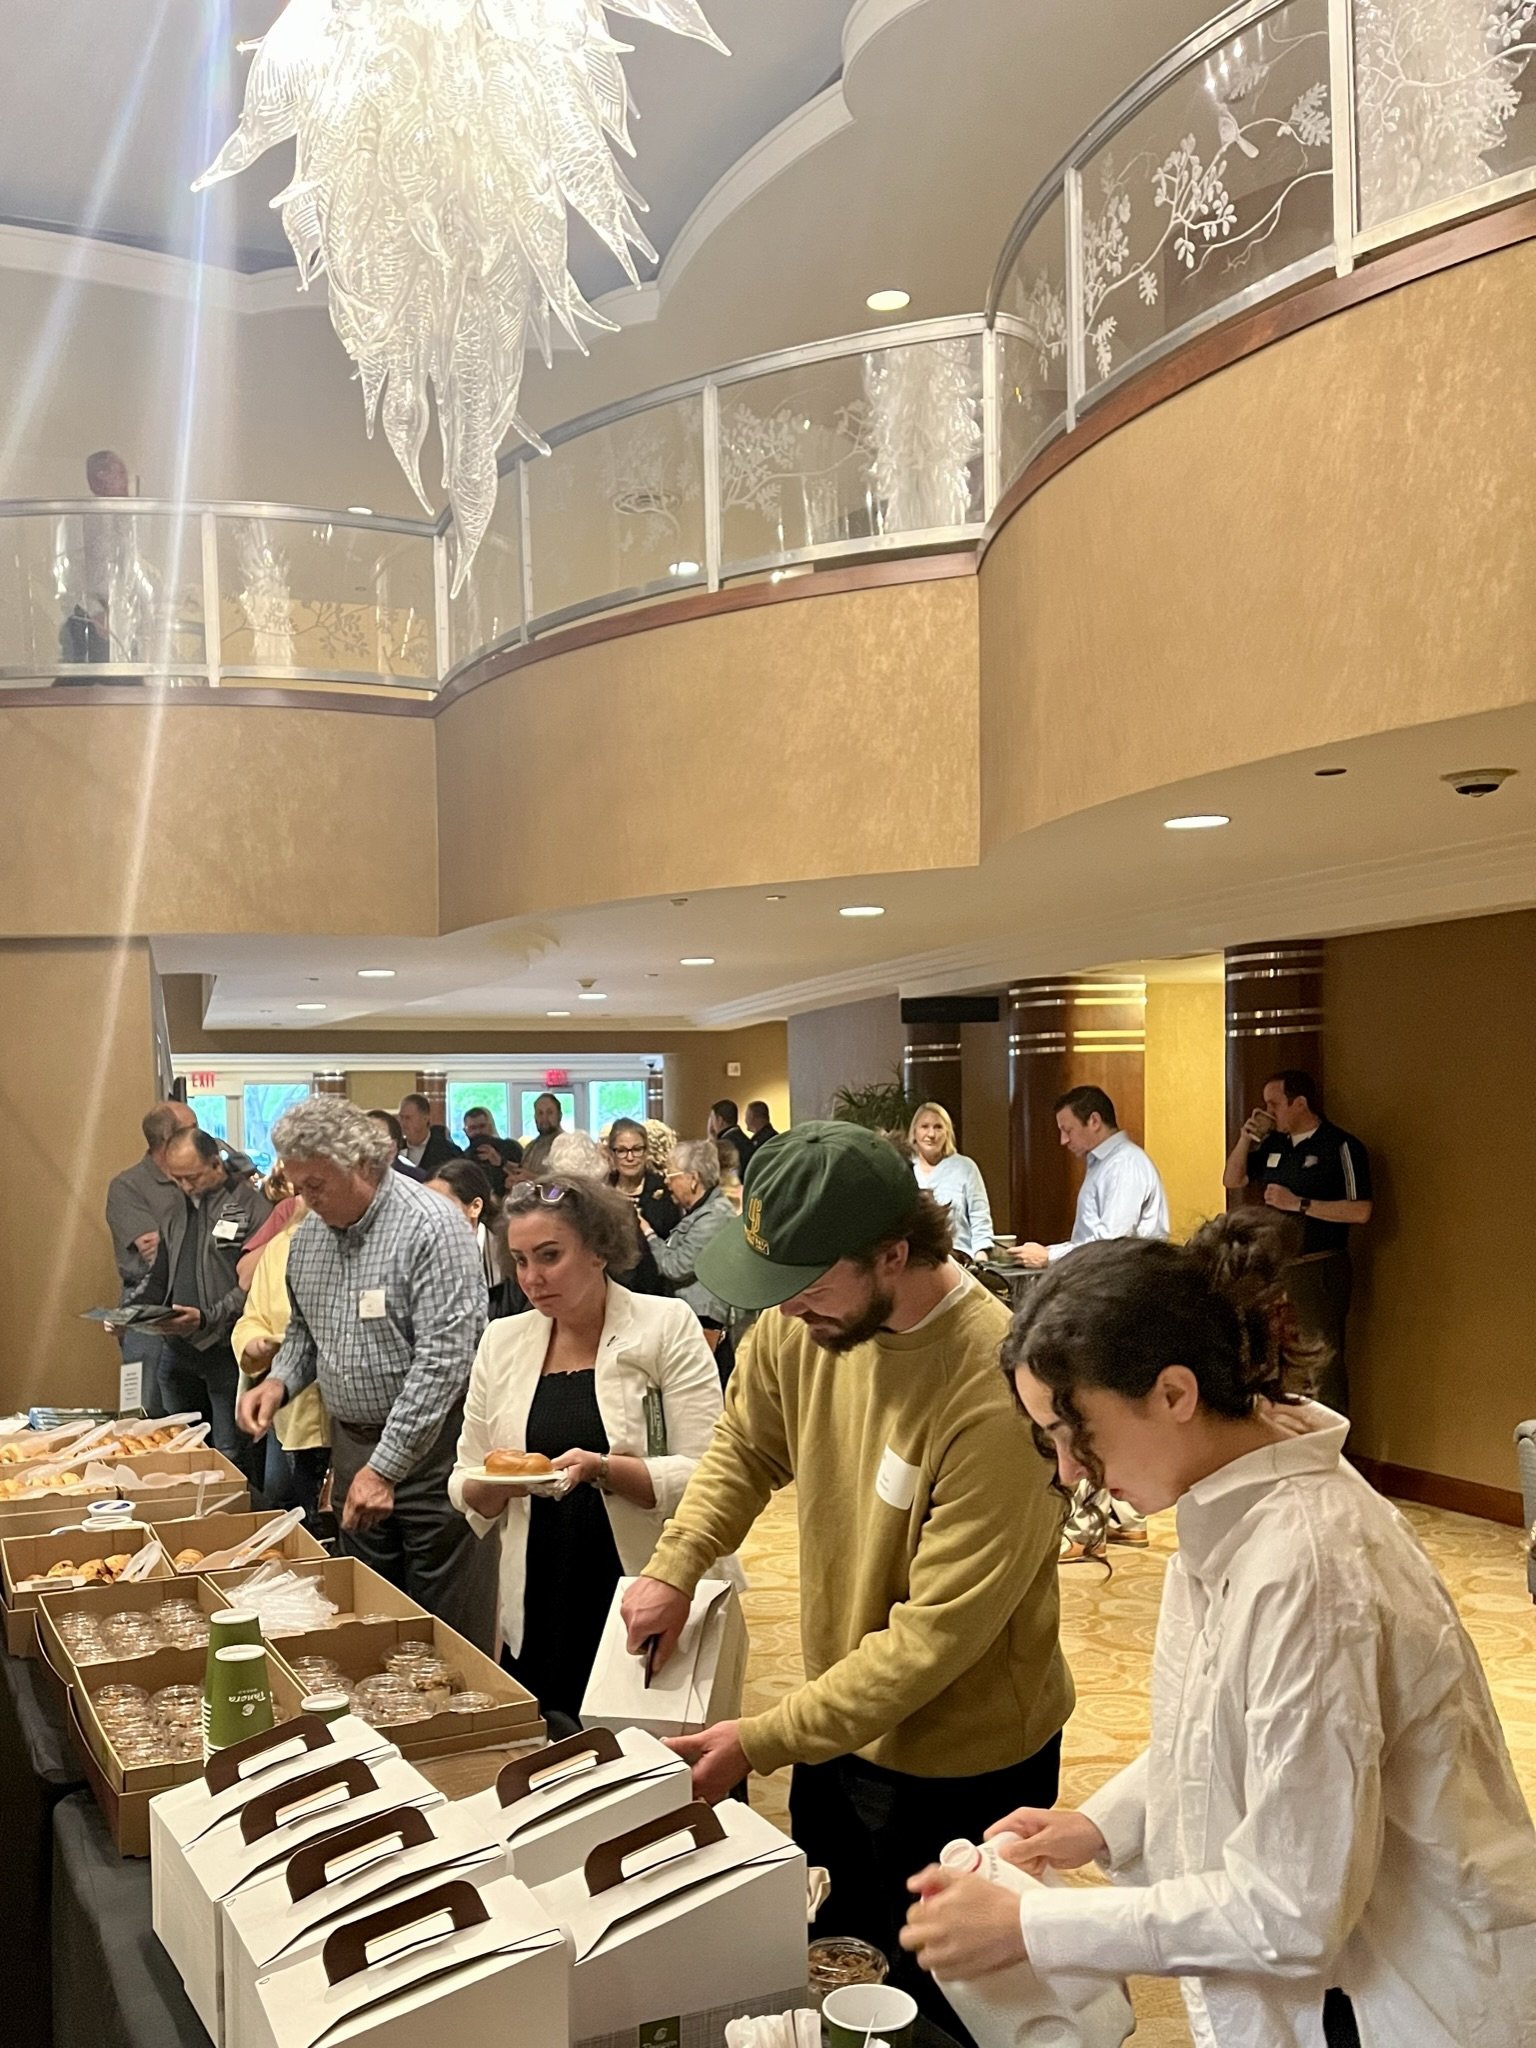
x=241, y=1700
x=325, y=1706
x=234, y=1625
x=860, y=2012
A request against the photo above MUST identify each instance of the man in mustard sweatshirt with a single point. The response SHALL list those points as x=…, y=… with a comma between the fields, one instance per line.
x=935, y=1689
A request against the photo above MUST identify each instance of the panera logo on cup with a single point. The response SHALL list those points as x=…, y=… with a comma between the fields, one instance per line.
x=754, y=1227
x=240, y=1701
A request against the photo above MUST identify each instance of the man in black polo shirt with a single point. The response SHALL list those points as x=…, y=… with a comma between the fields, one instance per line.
x=1311, y=1169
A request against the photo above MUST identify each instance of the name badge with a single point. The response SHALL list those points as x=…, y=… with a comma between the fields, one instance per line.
x=370, y=1305
x=1310, y=1160
x=225, y=1230
x=896, y=1481
x=1273, y=1159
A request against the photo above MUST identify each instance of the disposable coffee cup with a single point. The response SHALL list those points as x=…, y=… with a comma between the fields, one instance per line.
x=234, y=1625
x=325, y=1706
x=241, y=1700
x=850, y=2016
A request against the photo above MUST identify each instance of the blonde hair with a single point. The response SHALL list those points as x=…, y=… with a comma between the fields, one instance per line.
x=935, y=1109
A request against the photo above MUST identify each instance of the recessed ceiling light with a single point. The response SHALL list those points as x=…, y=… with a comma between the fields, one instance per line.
x=592, y=995
x=557, y=1013
x=682, y=568
x=698, y=960
x=309, y=1006
x=375, y=974
x=1197, y=821
x=862, y=910
x=892, y=301
x=773, y=899
x=363, y=511
x=1323, y=772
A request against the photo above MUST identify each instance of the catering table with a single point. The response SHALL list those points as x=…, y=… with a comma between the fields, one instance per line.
x=37, y=1769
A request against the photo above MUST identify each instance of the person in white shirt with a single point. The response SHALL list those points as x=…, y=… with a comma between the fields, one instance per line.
x=1325, y=1840
x=954, y=1181
x=1121, y=1196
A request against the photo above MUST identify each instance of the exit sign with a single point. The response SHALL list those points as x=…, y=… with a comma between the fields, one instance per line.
x=202, y=1082
x=556, y=1077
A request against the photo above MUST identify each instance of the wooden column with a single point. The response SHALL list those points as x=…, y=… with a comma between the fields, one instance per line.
x=930, y=1069
x=328, y=1084
x=1274, y=1019
x=655, y=1094
x=433, y=1083
x=1081, y=1030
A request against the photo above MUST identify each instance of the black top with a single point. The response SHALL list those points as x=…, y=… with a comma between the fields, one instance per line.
x=438, y=1148
x=663, y=1215
x=760, y=1138
x=572, y=1565
x=1328, y=1165
x=740, y=1143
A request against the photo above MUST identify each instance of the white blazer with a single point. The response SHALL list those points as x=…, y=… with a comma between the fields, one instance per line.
x=648, y=1341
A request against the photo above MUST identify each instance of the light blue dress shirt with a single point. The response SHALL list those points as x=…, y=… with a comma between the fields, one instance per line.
x=957, y=1183
x=1121, y=1196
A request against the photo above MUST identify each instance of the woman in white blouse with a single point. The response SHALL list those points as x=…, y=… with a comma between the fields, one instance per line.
x=617, y=1389
x=1324, y=1840
x=951, y=1178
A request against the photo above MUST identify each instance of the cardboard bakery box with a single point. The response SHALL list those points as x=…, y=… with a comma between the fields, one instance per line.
x=210, y=1534
x=357, y=1593
x=687, y=1939
x=124, y=1792
x=26, y=1560
x=178, y=1504
x=700, y=1683
x=452, y=1962
x=143, y=1597
x=553, y=1806
x=152, y=1477
x=287, y=1914
x=226, y=1830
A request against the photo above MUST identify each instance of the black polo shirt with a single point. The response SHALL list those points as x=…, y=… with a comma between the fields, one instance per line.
x=1328, y=1165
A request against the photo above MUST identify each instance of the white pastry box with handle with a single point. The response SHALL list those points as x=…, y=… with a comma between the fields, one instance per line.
x=552, y=1807
x=700, y=1683
x=282, y=1917
x=454, y=1962
x=247, y=1819
x=681, y=1925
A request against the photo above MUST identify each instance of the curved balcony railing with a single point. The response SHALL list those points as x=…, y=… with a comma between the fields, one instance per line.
x=1285, y=140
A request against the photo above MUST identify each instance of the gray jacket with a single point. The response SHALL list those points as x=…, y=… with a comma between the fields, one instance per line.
x=140, y=1199
x=677, y=1255
x=238, y=1203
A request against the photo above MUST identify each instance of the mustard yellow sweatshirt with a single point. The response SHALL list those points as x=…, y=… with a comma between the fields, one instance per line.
x=929, y=1536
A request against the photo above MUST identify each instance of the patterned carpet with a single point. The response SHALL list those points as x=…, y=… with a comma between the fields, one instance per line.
x=1107, y=1628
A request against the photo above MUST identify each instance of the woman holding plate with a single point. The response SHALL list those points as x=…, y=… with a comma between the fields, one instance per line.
x=617, y=1390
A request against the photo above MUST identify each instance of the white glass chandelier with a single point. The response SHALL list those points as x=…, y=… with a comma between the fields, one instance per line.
x=438, y=145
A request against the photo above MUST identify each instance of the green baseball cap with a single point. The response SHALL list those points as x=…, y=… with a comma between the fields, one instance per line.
x=818, y=1193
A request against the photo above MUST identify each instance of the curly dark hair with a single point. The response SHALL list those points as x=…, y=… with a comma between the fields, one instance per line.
x=603, y=1219
x=1116, y=1314
x=927, y=1230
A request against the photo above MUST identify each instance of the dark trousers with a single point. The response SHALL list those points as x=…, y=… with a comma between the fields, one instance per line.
x=872, y=1829
x=206, y=1383
x=293, y=1479
x=1320, y=1289
x=425, y=1547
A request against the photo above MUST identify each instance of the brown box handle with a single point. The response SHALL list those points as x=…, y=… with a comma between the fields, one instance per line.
x=346, y=1951
x=516, y=1778
x=223, y=1768
x=308, y=1868
x=605, y=1865
x=259, y=1816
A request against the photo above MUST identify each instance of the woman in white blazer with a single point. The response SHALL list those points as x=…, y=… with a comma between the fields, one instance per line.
x=618, y=1389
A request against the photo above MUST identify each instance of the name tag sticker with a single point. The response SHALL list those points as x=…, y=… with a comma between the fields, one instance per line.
x=225, y=1230
x=1273, y=1159
x=370, y=1305
x=896, y=1481
x=1310, y=1160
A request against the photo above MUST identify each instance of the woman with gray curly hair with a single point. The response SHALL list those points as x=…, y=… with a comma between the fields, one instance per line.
x=693, y=1182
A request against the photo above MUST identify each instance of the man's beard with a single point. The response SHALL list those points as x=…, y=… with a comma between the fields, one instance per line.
x=847, y=1336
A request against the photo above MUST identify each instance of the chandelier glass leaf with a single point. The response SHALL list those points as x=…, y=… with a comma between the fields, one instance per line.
x=438, y=145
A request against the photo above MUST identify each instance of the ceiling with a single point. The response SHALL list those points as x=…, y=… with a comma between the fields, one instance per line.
x=843, y=146
x=1383, y=844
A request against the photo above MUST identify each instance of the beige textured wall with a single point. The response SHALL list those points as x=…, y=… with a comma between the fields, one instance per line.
x=851, y=1045
x=1429, y=1047
x=77, y=1076
x=696, y=1076
x=1326, y=540
x=216, y=818
x=831, y=736
x=1186, y=1097
x=370, y=1089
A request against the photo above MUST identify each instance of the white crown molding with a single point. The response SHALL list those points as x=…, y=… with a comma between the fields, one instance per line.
x=83, y=259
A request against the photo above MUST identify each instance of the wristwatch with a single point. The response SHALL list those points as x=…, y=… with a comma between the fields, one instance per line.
x=602, y=1475
x=1305, y=1204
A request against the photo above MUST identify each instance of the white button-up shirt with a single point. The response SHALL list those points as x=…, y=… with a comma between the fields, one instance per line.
x=1326, y=1798
x=1121, y=1196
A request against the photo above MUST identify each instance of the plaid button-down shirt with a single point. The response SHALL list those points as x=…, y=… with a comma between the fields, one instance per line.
x=400, y=1372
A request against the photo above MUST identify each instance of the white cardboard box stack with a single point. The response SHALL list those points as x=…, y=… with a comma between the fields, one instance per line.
x=700, y=1683
x=553, y=1807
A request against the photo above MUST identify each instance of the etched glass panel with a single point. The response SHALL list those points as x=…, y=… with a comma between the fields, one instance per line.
x=619, y=508
x=1219, y=185
x=83, y=590
x=488, y=607
x=1445, y=101
x=885, y=442
x=317, y=599
x=1032, y=342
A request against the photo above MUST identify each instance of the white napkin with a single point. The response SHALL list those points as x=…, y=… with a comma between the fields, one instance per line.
x=778, y=2030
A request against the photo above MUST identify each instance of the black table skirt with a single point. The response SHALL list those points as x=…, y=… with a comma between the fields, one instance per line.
x=37, y=1770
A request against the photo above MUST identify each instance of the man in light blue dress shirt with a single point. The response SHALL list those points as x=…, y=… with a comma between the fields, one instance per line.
x=1121, y=1196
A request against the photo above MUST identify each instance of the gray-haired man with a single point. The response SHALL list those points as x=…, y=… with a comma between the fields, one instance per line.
x=388, y=1300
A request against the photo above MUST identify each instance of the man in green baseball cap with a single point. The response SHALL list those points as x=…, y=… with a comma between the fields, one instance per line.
x=935, y=1690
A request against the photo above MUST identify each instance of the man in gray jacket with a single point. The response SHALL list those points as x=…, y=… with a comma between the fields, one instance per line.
x=142, y=1202
x=220, y=1209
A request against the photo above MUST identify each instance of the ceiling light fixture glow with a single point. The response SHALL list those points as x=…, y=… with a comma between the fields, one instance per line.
x=682, y=568
x=362, y=511
x=892, y=301
x=557, y=1013
x=309, y=1006
x=592, y=995
x=375, y=974
x=1197, y=821
x=862, y=910
x=697, y=960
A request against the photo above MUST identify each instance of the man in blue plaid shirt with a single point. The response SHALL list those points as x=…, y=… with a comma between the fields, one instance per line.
x=389, y=1301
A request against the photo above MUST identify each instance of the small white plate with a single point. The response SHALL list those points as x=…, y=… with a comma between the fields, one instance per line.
x=536, y=1482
